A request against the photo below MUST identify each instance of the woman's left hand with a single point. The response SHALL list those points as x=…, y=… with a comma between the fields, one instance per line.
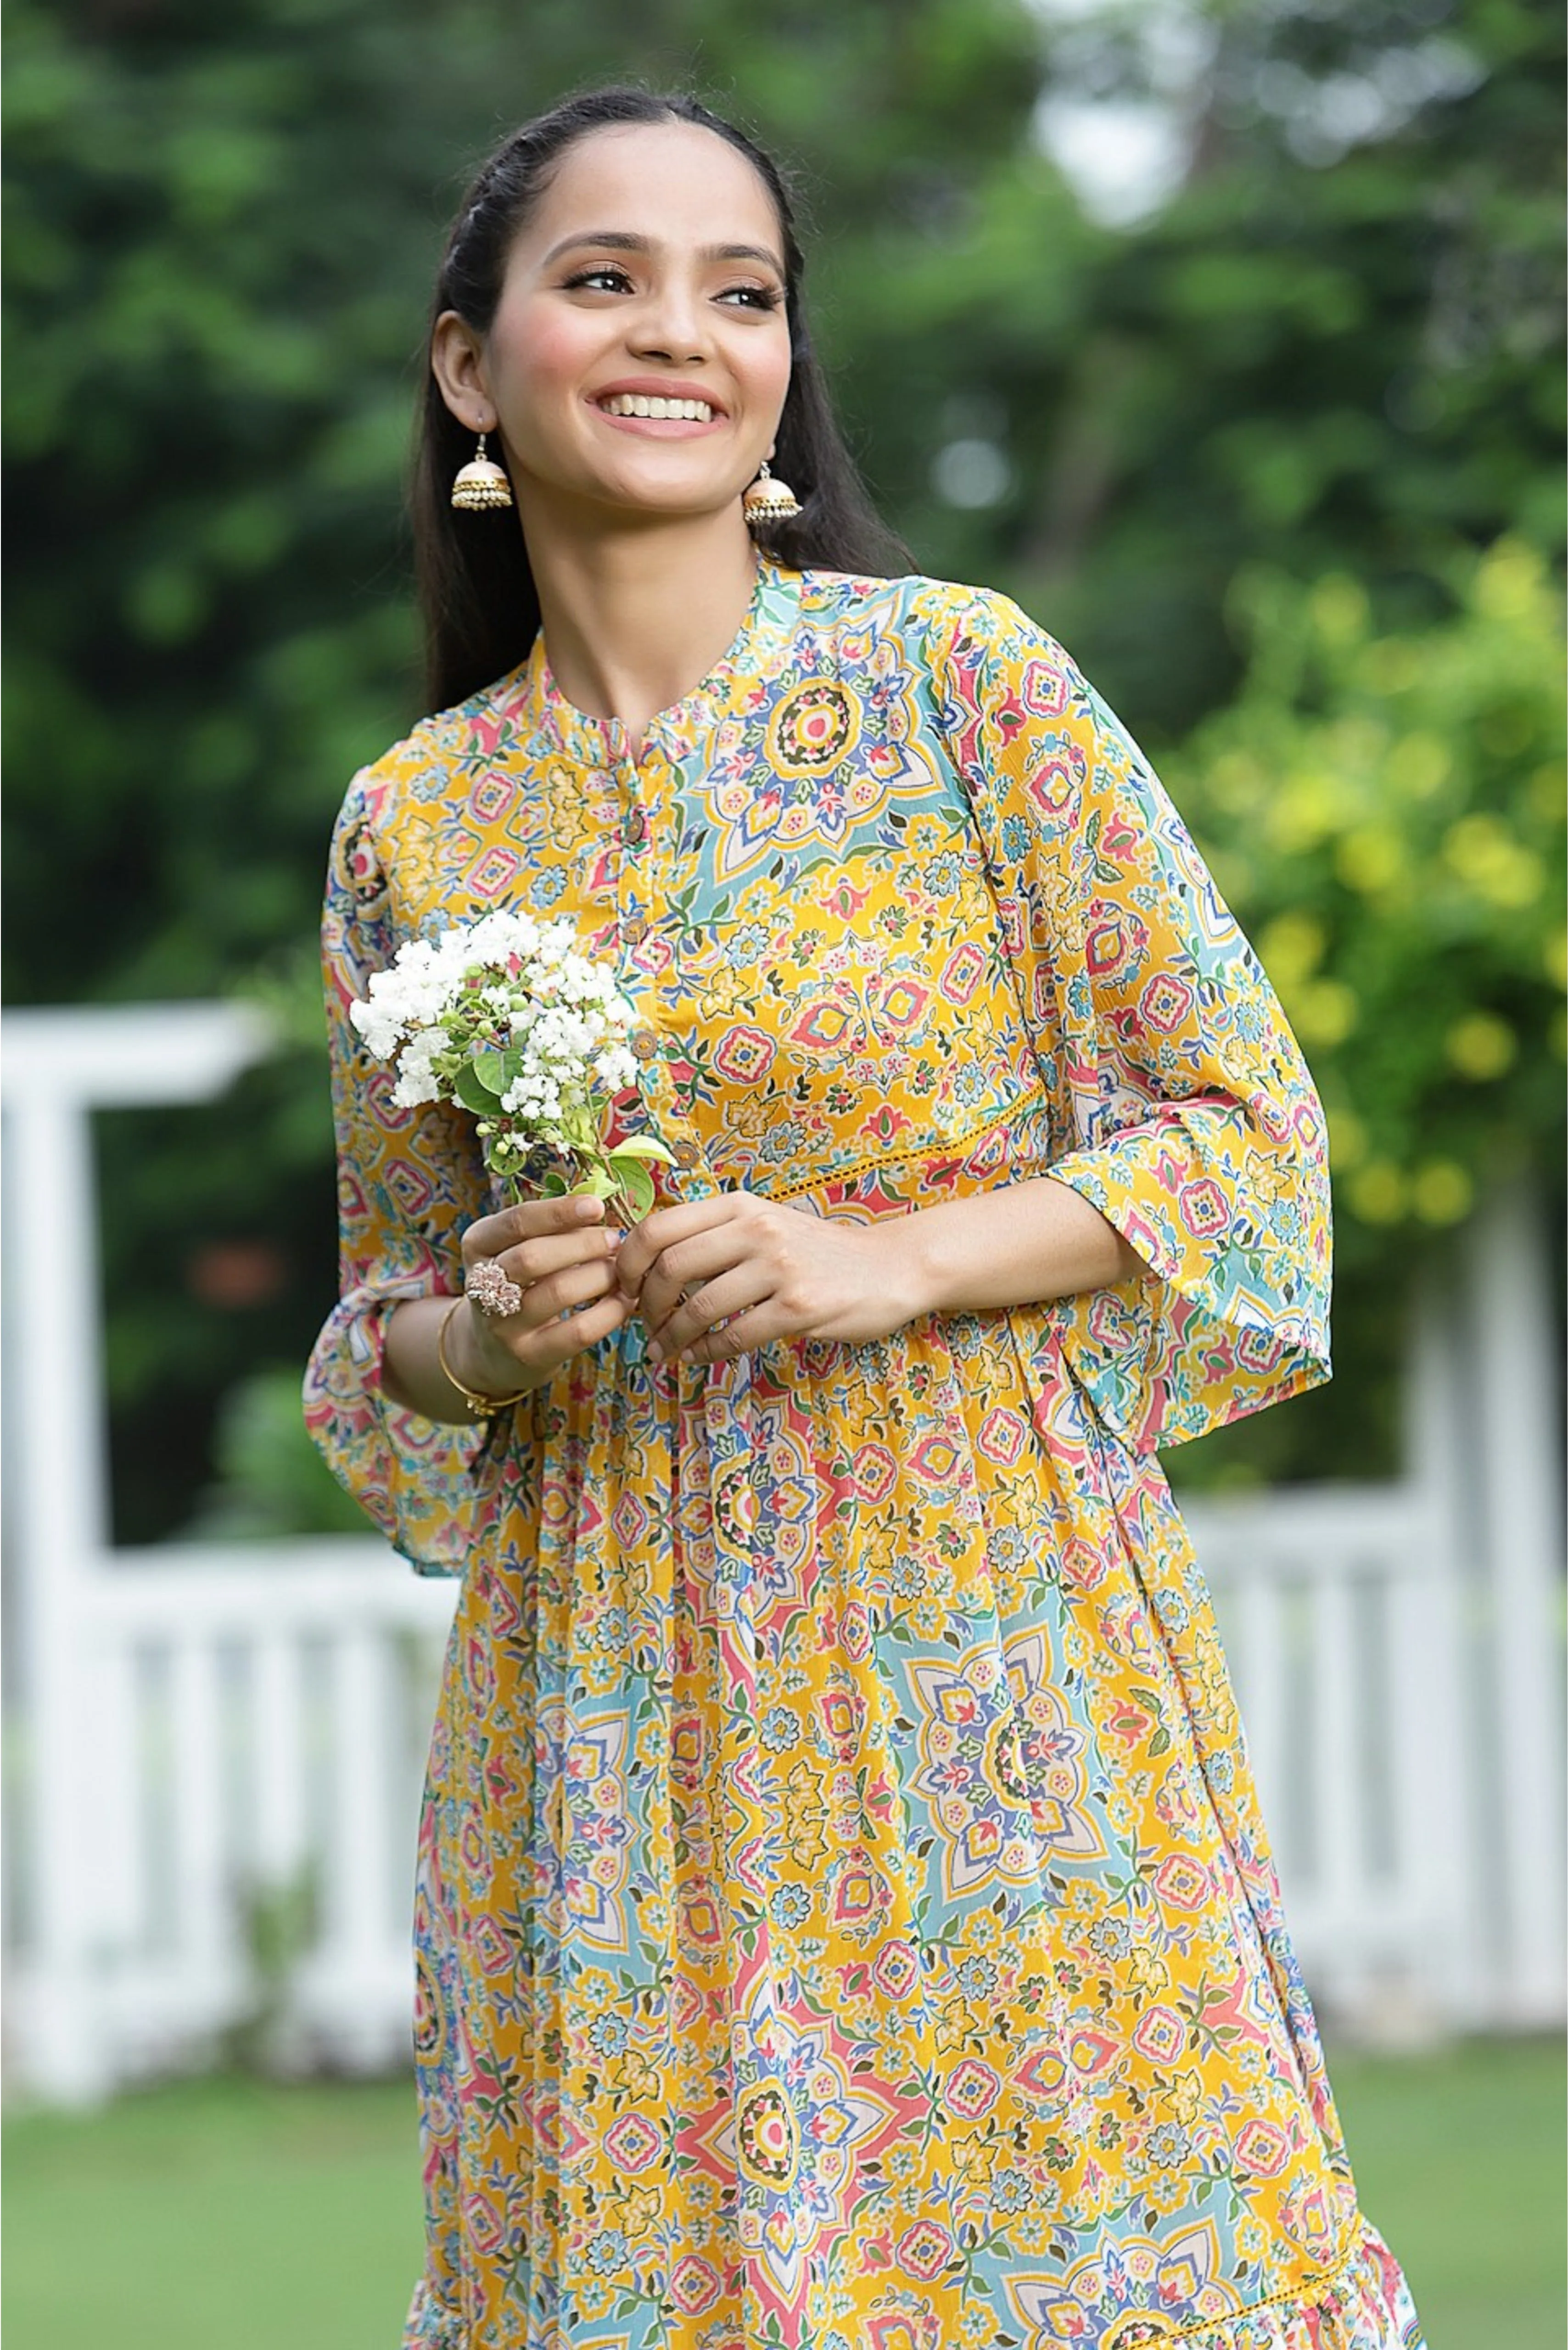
x=766, y=1269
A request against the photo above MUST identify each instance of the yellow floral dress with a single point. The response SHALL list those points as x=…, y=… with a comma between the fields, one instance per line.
x=842, y=1917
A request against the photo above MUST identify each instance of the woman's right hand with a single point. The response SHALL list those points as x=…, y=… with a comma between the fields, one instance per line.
x=561, y=1254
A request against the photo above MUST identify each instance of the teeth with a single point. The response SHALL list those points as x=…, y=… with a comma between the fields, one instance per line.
x=637, y=403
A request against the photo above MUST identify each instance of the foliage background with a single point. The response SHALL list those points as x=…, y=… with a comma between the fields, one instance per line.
x=1274, y=448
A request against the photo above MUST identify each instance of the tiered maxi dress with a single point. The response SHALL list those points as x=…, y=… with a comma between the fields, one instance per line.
x=843, y=1916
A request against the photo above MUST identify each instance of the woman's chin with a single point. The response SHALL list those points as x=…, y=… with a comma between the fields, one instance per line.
x=644, y=504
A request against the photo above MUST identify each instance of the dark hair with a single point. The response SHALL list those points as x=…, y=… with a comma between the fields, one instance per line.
x=476, y=589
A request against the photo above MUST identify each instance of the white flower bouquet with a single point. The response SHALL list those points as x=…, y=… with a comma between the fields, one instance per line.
x=505, y=1017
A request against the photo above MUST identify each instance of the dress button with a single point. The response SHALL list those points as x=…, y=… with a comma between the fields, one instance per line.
x=685, y=1154
x=644, y=1044
x=635, y=825
x=634, y=927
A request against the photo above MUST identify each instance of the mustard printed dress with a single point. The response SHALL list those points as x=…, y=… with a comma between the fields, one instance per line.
x=843, y=1916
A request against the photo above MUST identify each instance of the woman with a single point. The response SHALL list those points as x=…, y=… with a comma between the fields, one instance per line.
x=843, y=1915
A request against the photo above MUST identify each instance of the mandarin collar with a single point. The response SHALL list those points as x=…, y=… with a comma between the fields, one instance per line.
x=762, y=639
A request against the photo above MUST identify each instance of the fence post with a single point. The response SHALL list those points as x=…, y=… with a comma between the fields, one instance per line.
x=56, y=1402
x=1515, y=1452
x=59, y=1065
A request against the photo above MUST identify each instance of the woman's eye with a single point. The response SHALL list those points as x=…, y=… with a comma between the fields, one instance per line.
x=608, y=277
x=760, y=297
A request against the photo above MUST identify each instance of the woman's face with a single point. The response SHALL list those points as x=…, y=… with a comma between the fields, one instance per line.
x=650, y=277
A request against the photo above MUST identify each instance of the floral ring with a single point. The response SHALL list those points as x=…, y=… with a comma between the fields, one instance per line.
x=490, y=1290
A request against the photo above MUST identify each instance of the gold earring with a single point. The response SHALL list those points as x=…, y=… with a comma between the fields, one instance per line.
x=482, y=484
x=767, y=500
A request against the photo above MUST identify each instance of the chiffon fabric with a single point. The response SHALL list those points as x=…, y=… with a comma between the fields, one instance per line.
x=844, y=1920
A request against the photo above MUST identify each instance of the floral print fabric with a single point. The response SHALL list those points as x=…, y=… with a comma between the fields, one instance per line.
x=843, y=1919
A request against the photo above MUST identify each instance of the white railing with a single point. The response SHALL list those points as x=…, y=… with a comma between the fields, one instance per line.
x=199, y=1727
x=1340, y=1620
x=250, y=1722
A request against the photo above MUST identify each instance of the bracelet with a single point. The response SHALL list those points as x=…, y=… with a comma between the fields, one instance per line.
x=479, y=1407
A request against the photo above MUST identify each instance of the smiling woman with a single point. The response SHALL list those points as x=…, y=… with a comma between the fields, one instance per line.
x=606, y=271
x=844, y=1920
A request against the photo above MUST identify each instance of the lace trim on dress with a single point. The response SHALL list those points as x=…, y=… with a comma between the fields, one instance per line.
x=1363, y=2305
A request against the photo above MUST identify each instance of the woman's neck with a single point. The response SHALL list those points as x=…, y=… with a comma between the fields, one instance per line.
x=634, y=619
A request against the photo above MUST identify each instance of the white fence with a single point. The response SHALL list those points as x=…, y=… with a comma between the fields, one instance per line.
x=195, y=1729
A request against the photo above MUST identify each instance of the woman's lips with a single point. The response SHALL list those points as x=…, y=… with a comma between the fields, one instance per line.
x=659, y=426
x=664, y=415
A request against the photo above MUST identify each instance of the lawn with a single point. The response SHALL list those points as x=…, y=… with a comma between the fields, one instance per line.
x=232, y=2215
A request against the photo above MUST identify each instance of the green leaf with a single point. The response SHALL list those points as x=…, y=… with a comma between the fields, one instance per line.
x=636, y=1187
x=554, y=1186
x=496, y=1070
x=473, y=1092
x=643, y=1146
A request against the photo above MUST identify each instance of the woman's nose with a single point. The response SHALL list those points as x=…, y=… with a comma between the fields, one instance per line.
x=671, y=325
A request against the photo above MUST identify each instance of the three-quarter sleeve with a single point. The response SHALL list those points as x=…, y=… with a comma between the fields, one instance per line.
x=408, y=1183
x=1185, y=1111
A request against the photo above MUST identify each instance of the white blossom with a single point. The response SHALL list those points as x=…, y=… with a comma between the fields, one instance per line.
x=559, y=1015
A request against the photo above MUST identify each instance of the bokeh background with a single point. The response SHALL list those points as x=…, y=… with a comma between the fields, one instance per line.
x=1225, y=335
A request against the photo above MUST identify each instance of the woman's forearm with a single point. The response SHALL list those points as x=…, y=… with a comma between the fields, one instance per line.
x=1014, y=1246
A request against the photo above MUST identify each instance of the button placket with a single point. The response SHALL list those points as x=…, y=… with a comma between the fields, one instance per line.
x=643, y=892
x=642, y=880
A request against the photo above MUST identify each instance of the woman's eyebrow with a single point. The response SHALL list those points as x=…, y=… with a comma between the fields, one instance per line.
x=620, y=240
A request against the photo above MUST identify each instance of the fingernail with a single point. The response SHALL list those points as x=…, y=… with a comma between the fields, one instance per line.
x=655, y=1351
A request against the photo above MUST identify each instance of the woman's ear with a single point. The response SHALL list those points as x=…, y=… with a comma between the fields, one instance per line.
x=457, y=363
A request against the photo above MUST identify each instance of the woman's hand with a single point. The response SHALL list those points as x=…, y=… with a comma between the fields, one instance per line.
x=766, y=1271
x=561, y=1254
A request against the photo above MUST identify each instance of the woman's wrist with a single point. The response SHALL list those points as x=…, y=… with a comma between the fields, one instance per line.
x=475, y=1356
x=1020, y=1244
x=412, y=1375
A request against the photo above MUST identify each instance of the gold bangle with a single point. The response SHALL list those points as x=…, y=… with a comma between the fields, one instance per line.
x=479, y=1407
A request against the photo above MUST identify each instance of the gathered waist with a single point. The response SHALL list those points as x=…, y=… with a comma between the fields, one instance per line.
x=910, y=1172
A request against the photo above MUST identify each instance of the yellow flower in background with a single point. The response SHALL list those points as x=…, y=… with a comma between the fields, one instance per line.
x=1442, y=1193
x=1480, y=1045
x=1307, y=810
x=1324, y=1012
x=1482, y=851
x=1378, y=1192
x=1290, y=947
x=1370, y=857
x=1339, y=609
x=1418, y=765
x=1510, y=582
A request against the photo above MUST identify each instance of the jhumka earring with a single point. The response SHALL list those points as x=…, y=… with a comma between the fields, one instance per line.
x=767, y=500
x=482, y=484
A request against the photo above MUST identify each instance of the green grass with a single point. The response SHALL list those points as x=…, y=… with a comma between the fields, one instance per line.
x=234, y=2215
x=1460, y=2161
x=218, y=2214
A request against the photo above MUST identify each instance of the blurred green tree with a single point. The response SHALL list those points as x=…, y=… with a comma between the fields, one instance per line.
x=1334, y=348
x=1387, y=809
x=1384, y=808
